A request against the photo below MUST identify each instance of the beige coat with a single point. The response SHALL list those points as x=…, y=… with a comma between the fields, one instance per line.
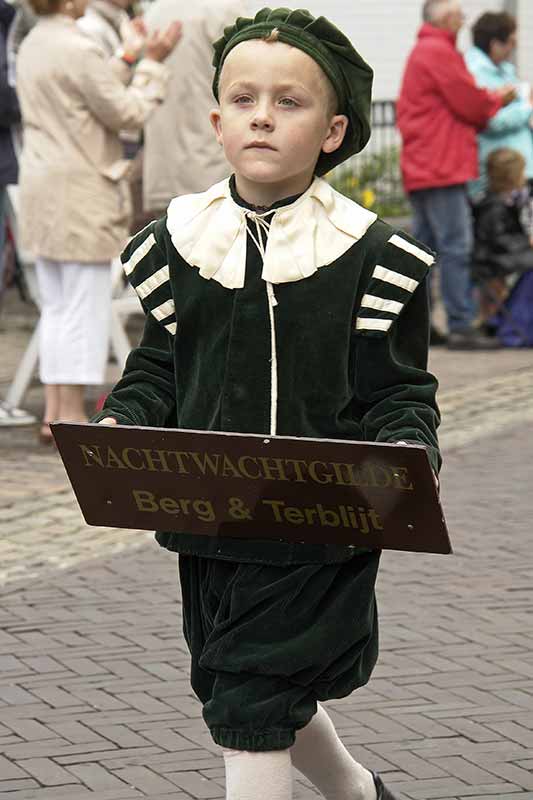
x=181, y=154
x=74, y=197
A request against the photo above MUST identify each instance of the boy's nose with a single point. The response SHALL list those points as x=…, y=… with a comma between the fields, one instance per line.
x=262, y=120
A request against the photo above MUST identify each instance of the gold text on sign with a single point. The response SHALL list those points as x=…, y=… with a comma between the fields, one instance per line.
x=201, y=464
x=149, y=502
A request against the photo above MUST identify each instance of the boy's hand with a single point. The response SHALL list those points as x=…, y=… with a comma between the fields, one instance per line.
x=160, y=45
x=108, y=421
x=435, y=476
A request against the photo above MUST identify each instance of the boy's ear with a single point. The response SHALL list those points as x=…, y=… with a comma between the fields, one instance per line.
x=214, y=117
x=336, y=132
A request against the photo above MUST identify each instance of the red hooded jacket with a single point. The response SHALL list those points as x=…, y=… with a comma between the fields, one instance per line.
x=439, y=111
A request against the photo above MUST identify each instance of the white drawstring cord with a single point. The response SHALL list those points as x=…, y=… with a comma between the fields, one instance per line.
x=262, y=225
x=273, y=362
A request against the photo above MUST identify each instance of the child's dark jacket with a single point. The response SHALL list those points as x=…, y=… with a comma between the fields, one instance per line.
x=318, y=328
x=501, y=243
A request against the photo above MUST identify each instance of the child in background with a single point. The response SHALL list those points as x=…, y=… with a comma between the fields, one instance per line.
x=503, y=249
x=274, y=305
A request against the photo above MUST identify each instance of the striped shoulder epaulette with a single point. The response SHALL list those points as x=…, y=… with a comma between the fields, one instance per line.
x=146, y=267
x=402, y=264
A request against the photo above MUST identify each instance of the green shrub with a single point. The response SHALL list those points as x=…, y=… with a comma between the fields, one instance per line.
x=373, y=180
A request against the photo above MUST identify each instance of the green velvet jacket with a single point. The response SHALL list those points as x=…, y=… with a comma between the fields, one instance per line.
x=339, y=354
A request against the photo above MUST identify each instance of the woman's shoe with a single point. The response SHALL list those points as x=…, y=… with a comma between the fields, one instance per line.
x=11, y=416
x=382, y=792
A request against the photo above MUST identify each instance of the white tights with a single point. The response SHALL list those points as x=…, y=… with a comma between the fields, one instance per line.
x=318, y=753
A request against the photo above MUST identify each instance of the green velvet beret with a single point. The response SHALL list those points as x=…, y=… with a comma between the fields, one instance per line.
x=349, y=74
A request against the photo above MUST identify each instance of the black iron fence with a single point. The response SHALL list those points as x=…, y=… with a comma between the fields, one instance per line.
x=373, y=178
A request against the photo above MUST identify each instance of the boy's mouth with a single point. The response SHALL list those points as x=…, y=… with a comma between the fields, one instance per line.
x=259, y=146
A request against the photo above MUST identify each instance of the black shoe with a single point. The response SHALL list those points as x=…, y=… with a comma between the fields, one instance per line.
x=436, y=338
x=472, y=339
x=383, y=792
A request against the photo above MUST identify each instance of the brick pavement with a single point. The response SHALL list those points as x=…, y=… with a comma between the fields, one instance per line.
x=94, y=693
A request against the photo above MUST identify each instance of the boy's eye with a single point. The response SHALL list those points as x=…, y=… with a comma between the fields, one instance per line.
x=288, y=101
x=244, y=98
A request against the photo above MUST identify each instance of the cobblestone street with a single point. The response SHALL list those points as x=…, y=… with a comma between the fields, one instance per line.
x=95, y=702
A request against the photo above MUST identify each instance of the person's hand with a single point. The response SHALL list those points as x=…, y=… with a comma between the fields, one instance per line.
x=134, y=39
x=507, y=93
x=160, y=45
x=108, y=421
x=139, y=26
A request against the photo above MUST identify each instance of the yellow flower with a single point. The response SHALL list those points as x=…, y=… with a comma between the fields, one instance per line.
x=368, y=198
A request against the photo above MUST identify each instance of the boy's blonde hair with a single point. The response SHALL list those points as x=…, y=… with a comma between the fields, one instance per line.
x=505, y=170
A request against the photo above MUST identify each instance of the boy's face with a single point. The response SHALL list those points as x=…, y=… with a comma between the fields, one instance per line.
x=273, y=119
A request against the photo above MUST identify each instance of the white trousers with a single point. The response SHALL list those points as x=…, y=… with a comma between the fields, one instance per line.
x=75, y=321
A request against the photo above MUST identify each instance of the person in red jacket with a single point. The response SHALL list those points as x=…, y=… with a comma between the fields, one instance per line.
x=439, y=112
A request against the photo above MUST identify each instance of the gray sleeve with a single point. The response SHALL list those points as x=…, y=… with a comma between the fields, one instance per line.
x=24, y=21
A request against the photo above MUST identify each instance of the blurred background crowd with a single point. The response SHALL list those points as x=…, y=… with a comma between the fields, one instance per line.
x=104, y=119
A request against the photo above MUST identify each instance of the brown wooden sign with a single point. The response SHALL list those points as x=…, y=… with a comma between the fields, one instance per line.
x=244, y=485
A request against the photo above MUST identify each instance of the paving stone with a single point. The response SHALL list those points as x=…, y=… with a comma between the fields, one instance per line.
x=167, y=739
x=83, y=666
x=429, y=789
x=55, y=696
x=14, y=695
x=16, y=786
x=513, y=774
x=520, y=796
x=96, y=777
x=145, y=780
x=464, y=770
x=517, y=733
x=472, y=730
x=75, y=732
x=11, y=664
x=42, y=664
x=196, y=785
x=55, y=748
x=78, y=793
x=10, y=771
x=122, y=736
x=47, y=772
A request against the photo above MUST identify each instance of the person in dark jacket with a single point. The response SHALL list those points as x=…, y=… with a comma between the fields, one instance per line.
x=440, y=111
x=9, y=115
x=503, y=239
x=277, y=306
x=502, y=230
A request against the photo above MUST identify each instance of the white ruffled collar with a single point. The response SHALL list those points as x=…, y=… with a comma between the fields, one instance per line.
x=209, y=230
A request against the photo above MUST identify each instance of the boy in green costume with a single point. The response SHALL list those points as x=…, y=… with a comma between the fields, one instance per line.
x=274, y=305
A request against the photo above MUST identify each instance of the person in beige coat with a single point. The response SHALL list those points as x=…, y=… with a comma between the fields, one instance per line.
x=74, y=196
x=181, y=154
